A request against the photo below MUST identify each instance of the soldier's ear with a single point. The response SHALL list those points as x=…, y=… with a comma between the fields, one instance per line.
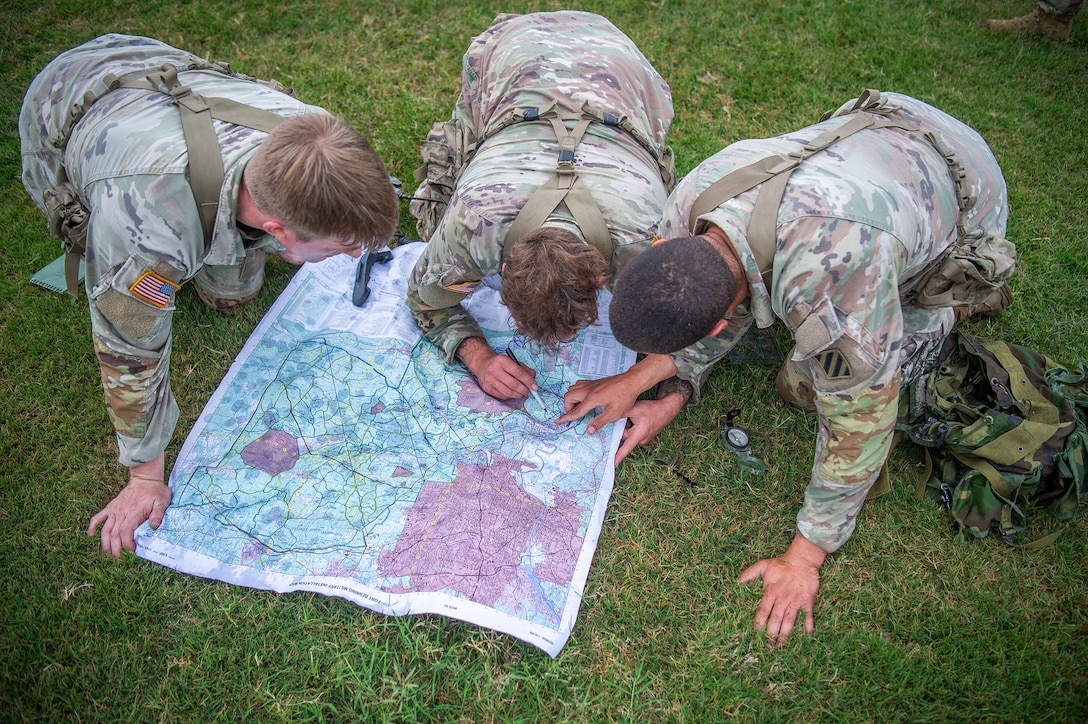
x=273, y=227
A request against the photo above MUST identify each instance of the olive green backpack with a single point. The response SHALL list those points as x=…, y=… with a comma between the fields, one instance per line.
x=1004, y=429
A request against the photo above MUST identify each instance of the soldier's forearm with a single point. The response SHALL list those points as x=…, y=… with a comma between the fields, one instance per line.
x=152, y=471
x=474, y=352
x=651, y=370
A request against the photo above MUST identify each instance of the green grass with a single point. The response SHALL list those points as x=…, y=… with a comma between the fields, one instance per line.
x=911, y=626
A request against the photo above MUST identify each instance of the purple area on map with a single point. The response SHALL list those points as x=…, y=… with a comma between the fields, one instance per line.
x=399, y=472
x=252, y=552
x=341, y=568
x=378, y=407
x=273, y=452
x=472, y=397
x=484, y=537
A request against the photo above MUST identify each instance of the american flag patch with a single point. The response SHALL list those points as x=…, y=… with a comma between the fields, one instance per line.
x=154, y=289
x=462, y=287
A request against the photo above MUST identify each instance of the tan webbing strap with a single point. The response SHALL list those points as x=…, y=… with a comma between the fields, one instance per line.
x=564, y=187
x=736, y=183
x=762, y=236
x=205, y=159
x=762, y=227
x=72, y=257
x=202, y=145
x=581, y=205
x=773, y=172
x=964, y=200
x=110, y=82
x=197, y=112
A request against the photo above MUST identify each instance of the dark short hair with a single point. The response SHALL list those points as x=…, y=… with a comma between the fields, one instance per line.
x=670, y=296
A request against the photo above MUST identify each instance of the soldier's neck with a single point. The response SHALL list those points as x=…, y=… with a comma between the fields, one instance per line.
x=246, y=212
x=721, y=243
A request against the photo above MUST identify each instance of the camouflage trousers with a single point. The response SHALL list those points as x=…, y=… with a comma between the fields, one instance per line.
x=1060, y=8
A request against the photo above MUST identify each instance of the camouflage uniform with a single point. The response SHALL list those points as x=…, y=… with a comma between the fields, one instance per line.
x=855, y=221
x=127, y=160
x=1060, y=8
x=528, y=61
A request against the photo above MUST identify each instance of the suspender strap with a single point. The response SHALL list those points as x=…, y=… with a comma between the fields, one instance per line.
x=773, y=172
x=72, y=258
x=565, y=186
x=964, y=200
x=205, y=159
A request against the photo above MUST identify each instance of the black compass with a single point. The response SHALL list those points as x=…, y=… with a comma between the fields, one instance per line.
x=739, y=443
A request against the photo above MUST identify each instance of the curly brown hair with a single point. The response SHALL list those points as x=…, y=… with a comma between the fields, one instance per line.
x=321, y=179
x=549, y=284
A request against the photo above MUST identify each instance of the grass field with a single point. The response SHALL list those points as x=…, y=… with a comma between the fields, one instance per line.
x=911, y=625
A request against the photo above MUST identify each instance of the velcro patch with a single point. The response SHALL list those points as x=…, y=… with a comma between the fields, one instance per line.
x=154, y=289
x=834, y=364
x=465, y=288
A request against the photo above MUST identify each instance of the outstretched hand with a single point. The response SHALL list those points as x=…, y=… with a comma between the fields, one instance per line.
x=614, y=396
x=645, y=420
x=791, y=583
x=146, y=497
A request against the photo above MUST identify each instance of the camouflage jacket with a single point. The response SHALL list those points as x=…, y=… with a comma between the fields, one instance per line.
x=855, y=221
x=528, y=61
x=127, y=160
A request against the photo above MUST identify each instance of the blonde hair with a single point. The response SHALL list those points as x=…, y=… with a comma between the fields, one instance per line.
x=321, y=179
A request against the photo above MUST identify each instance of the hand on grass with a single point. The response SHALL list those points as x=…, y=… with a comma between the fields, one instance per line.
x=790, y=585
x=146, y=497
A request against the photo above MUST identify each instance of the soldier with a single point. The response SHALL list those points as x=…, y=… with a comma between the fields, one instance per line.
x=557, y=139
x=1052, y=20
x=857, y=227
x=104, y=152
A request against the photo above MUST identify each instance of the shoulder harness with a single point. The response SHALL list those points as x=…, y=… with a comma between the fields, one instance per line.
x=871, y=110
x=565, y=185
x=206, y=171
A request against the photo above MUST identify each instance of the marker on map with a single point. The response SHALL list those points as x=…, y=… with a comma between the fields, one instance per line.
x=510, y=354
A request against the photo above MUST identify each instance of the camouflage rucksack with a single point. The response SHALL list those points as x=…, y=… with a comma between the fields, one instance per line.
x=1004, y=431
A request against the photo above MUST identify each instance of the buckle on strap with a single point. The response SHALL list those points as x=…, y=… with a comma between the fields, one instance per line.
x=565, y=164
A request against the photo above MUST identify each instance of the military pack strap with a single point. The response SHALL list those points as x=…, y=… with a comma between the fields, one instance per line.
x=197, y=112
x=773, y=172
x=205, y=159
x=873, y=101
x=872, y=109
x=564, y=186
x=588, y=111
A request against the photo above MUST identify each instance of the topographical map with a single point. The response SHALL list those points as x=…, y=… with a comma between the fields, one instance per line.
x=342, y=455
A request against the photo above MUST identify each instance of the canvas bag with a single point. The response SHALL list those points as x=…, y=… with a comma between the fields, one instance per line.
x=1005, y=432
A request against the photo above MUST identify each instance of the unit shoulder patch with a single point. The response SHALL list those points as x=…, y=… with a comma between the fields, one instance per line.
x=465, y=288
x=834, y=364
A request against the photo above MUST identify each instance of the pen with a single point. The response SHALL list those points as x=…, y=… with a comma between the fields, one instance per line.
x=510, y=354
